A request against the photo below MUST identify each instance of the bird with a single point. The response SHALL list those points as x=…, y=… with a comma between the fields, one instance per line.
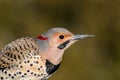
x=36, y=58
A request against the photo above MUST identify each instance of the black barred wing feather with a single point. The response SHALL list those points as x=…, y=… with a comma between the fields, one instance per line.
x=17, y=51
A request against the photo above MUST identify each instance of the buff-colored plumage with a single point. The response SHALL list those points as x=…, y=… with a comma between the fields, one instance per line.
x=31, y=58
x=20, y=61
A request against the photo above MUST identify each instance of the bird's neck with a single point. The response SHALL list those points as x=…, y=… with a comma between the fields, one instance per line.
x=51, y=53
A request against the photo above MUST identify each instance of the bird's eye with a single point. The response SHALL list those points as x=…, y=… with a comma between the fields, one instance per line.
x=61, y=37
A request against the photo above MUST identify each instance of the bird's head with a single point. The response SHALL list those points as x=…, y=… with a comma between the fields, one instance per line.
x=55, y=41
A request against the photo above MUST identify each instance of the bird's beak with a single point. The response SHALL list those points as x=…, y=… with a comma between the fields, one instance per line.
x=82, y=36
x=74, y=39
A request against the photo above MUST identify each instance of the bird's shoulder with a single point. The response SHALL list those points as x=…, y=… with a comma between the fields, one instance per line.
x=21, y=44
x=18, y=50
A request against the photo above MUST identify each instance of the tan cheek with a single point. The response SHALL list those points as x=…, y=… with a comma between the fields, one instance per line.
x=52, y=42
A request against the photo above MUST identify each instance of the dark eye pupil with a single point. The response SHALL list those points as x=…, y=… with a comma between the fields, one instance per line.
x=61, y=37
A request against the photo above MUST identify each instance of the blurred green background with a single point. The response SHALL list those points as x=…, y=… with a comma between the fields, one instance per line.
x=89, y=59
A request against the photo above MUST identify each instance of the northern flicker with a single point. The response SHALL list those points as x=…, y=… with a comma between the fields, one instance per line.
x=31, y=58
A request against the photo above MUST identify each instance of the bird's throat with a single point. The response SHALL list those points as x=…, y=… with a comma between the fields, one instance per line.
x=53, y=55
